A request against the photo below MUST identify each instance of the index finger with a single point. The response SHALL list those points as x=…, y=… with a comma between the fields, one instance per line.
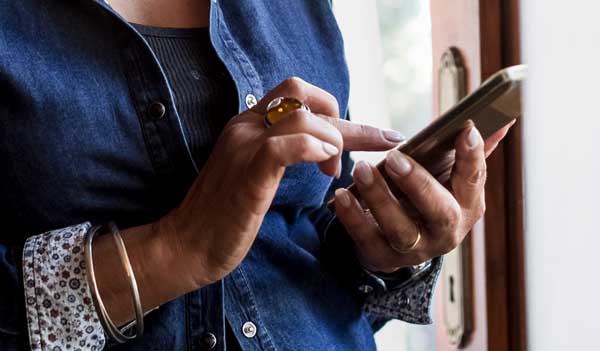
x=362, y=137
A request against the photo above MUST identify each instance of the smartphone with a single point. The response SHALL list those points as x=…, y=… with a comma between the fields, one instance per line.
x=496, y=103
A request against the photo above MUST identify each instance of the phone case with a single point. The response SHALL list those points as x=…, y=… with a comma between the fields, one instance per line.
x=492, y=106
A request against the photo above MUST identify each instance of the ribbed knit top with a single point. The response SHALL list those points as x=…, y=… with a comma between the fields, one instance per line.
x=205, y=94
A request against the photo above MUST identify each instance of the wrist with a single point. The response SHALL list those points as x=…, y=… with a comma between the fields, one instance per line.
x=177, y=251
x=160, y=270
x=401, y=276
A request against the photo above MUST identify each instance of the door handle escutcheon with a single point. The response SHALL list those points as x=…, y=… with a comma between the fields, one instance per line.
x=456, y=273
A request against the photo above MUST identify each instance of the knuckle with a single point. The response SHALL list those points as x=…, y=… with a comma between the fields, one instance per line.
x=424, y=184
x=335, y=105
x=271, y=146
x=381, y=201
x=478, y=177
x=397, y=235
x=294, y=86
x=450, y=218
x=338, y=138
x=301, y=118
x=453, y=241
x=481, y=209
x=233, y=130
x=449, y=243
x=399, y=246
x=307, y=144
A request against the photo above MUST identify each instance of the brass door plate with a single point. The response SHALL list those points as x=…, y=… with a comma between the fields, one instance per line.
x=456, y=271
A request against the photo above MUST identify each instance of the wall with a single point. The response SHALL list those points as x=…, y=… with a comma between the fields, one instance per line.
x=562, y=166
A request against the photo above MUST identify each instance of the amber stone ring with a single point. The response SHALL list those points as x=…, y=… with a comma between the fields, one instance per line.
x=281, y=106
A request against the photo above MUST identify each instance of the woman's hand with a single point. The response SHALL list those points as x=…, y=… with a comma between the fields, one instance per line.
x=214, y=227
x=445, y=214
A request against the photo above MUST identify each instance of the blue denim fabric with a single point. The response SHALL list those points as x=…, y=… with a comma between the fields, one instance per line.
x=77, y=144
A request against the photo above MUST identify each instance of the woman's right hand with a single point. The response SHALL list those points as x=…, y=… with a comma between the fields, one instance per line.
x=210, y=232
x=214, y=227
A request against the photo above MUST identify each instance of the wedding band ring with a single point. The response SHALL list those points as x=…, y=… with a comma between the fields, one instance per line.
x=414, y=244
x=280, y=107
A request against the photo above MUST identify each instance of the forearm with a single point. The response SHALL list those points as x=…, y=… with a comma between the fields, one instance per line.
x=59, y=308
x=160, y=268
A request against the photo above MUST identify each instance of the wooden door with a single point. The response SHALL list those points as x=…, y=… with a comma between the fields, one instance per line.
x=486, y=34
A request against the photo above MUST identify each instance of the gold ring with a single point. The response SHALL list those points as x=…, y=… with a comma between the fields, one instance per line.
x=414, y=244
x=281, y=106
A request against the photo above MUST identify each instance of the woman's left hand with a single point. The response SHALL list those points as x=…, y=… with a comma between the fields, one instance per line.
x=385, y=229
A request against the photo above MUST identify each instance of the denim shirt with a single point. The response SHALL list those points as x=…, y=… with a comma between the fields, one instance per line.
x=80, y=141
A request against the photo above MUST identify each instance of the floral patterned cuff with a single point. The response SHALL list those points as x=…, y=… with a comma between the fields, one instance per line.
x=411, y=302
x=60, y=312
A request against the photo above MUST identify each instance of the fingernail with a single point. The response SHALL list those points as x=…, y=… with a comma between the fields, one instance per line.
x=338, y=174
x=398, y=163
x=342, y=197
x=363, y=173
x=393, y=135
x=474, y=138
x=330, y=149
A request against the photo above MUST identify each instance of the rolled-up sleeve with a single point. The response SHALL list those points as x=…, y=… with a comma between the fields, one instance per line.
x=59, y=309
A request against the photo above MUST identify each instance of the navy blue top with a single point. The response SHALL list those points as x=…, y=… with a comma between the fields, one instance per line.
x=203, y=91
x=90, y=131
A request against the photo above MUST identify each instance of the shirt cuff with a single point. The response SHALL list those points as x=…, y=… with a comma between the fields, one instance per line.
x=408, y=299
x=411, y=302
x=59, y=308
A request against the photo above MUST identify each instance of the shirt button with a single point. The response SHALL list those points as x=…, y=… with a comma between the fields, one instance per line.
x=156, y=110
x=249, y=329
x=209, y=341
x=404, y=301
x=365, y=289
x=251, y=101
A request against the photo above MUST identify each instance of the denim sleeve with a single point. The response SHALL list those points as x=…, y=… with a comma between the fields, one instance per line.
x=410, y=301
x=12, y=320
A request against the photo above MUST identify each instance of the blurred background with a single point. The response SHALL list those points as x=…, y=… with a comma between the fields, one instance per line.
x=389, y=53
x=390, y=61
x=531, y=278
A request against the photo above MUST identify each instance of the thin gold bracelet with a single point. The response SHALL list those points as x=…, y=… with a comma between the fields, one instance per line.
x=111, y=329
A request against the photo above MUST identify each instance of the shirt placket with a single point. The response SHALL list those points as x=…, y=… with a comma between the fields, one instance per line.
x=170, y=154
x=243, y=313
x=153, y=99
x=240, y=307
x=248, y=84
